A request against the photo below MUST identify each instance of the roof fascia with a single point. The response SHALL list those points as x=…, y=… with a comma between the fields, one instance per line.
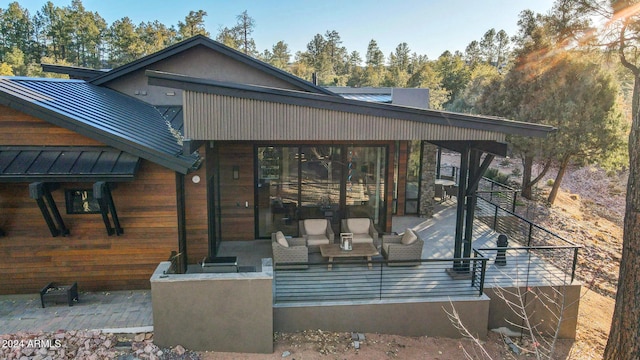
x=84, y=73
x=489, y=147
x=300, y=98
x=42, y=112
x=213, y=45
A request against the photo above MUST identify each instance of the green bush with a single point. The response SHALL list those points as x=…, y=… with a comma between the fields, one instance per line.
x=550, y=182
x=497, y=176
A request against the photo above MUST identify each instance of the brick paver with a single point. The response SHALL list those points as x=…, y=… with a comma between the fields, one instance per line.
x=94, y=311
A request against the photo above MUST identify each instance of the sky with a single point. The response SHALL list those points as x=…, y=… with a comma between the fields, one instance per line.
x=429, y=27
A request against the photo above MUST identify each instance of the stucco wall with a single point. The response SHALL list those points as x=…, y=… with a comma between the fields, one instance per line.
x=406, y=318
x=229, y=312
x=199, y=62
x=544, y=304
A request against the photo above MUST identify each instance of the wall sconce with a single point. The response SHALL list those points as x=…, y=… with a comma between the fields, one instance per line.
x=236, y=172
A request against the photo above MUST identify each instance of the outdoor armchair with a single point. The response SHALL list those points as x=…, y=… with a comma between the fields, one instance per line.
x=292, y=250
x=362, y=229
x=317, y=232
x=407, y=246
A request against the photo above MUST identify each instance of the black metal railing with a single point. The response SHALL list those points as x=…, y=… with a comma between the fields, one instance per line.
x=377, y=280
x=530, y=265
x=531, y=237
x=494, y=192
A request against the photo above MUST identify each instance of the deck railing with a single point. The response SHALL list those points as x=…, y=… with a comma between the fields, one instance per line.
x=530, y=236
x=378, y=280
x=504, y=196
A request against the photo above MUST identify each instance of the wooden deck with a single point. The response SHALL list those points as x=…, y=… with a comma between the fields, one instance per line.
x=351, y=280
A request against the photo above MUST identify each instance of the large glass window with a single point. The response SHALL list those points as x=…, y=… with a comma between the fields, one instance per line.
x=277, y=190
x=322, y=181
x=366, y=169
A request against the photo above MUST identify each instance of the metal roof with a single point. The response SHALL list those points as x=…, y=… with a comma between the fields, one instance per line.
x=173, y=114
x=68, y=163
x=201, y=40
x=75, y=72
x=348, y=106
x=99, y=113
x=380, y=98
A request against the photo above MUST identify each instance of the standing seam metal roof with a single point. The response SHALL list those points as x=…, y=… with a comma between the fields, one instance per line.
x=65, y=163
x=99, y=113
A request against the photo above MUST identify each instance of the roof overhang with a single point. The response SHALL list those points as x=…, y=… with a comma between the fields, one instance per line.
x=101, y=114
x=227, y=111
x=75, y=72
x=66, y=164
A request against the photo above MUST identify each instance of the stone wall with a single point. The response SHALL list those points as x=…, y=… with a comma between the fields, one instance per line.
x=427, y=179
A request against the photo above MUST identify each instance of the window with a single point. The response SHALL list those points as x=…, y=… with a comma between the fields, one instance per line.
x=81, y=201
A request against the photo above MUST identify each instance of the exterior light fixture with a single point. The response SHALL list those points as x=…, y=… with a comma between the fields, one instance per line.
x=236, y=172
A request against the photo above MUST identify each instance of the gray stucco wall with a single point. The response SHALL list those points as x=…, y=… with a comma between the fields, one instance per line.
x=229, y=312
x=198, y=62
x=399, y=318
x=541, y=310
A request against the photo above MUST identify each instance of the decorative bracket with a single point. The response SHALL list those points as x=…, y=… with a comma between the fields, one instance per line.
x=41, y=192
x=102, y=193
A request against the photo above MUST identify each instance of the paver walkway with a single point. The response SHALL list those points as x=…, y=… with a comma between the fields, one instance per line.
x=114, y=311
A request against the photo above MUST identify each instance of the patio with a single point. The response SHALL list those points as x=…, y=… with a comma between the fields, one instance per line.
x=524, y=267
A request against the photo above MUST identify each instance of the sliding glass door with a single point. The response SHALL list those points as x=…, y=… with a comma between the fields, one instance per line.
x=278, y=190
x=318, y=181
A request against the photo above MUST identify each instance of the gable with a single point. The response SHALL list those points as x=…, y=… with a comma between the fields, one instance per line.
x=199, y=62
x=100, y=114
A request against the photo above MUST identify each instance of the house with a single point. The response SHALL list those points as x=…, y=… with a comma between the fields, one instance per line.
x=104, y=176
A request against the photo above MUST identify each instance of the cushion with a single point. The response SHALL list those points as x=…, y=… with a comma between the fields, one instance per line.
x=409, y=237
x=317, y=240
x=281, y=239
x=362, y=238
x=358, y=225
x=385, y=248
x=315, y=226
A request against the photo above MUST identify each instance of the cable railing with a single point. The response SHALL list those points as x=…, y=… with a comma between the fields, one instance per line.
x=505, y=196
x=532, y=237
x=363, y=280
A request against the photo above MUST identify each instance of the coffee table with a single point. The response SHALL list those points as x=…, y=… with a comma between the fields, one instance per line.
x=332, y=251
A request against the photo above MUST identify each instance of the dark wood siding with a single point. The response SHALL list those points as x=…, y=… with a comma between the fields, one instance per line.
x=31, y=257
x=402, y=177
x=18, y=128
x=196, y=214
x=238, y=222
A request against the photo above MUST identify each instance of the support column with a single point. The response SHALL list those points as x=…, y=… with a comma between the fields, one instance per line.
x=460, y=209
x=427, y=179
x=182, y=221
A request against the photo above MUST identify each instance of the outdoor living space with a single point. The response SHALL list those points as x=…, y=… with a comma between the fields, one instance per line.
x=521, y=266
x=351, y=293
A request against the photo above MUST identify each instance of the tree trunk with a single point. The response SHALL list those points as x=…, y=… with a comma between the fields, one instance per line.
x=556, y=184
x=624, y=336
x=527, y=173
x=527, y=166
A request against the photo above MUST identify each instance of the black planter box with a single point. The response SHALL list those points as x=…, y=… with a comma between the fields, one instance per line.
x=59, y=293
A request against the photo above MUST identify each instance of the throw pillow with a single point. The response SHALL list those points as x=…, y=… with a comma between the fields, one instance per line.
x=409, y=237
x=281, y=239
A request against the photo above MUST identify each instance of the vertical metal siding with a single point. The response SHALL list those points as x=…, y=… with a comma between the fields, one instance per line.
x=216, y=117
